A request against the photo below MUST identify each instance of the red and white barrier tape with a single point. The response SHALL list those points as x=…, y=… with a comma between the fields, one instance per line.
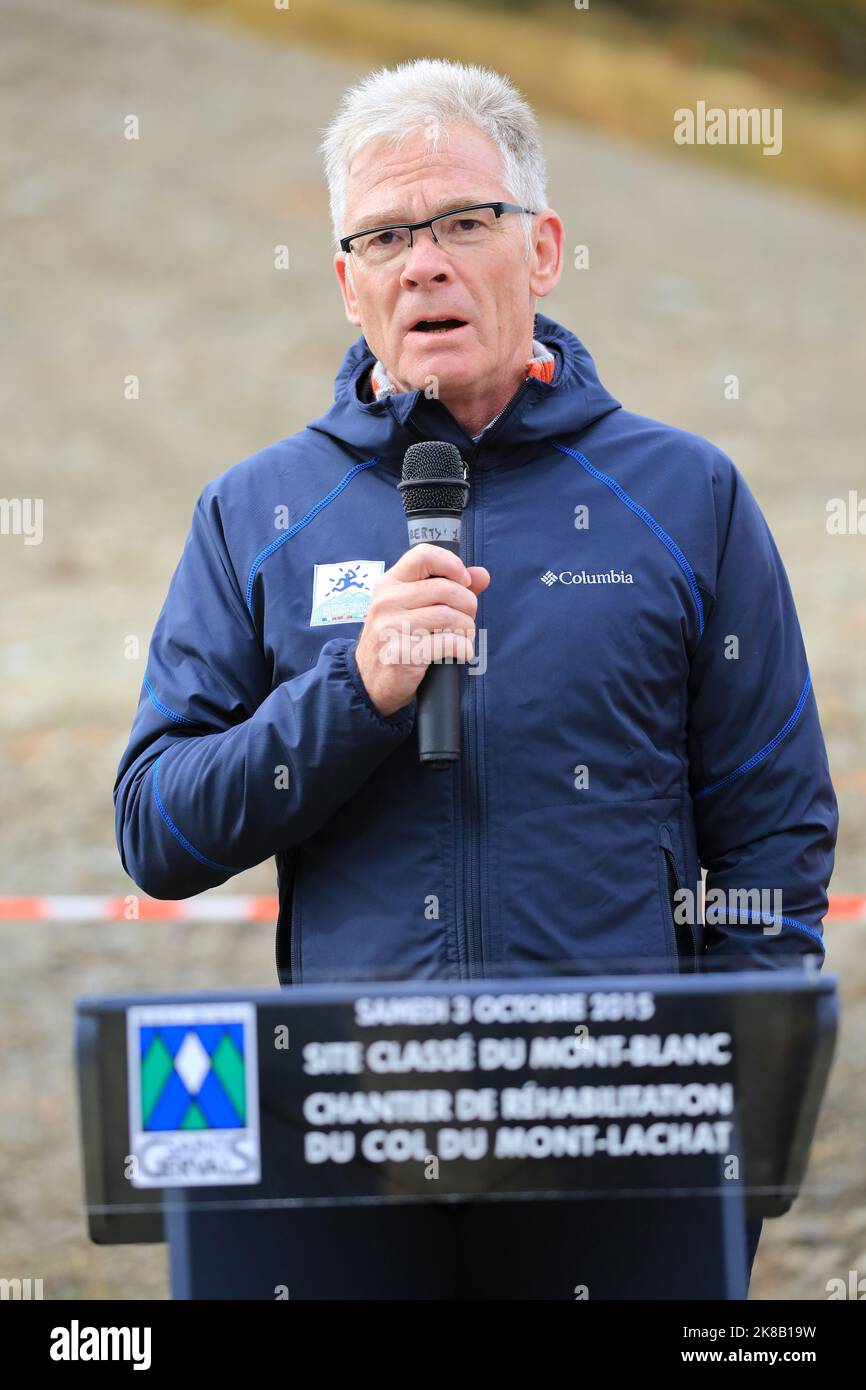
x=230, y=907
x=84, y=907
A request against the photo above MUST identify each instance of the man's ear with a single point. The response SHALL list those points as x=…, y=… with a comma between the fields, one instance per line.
x=350, y=299
x=546, y=254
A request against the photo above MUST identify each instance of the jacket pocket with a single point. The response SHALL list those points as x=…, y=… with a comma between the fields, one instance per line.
x=284, y=936
x=295, y=934
x=679, y=935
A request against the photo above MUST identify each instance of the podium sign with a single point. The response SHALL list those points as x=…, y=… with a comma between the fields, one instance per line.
x=428, y=1091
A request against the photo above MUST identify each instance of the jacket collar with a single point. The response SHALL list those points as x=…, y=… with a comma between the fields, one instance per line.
x=538, y=411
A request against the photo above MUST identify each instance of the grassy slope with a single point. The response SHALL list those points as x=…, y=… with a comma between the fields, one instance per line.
x=590, y=68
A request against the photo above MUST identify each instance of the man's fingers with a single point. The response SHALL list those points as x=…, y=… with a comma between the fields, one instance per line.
x=422, y=561
x=421, y=647
x=480, y=578
x=434, y=619
x=422, y=593
x=449, y=646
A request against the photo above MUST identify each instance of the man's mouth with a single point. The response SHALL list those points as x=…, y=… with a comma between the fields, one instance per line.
x=440, y=326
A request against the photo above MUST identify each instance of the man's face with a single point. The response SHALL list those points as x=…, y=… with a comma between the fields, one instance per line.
x=490, y=287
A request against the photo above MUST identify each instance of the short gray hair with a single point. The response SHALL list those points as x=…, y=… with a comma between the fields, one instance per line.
x=430, y=94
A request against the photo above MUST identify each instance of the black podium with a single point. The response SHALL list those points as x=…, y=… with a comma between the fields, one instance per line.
x=578, y=1138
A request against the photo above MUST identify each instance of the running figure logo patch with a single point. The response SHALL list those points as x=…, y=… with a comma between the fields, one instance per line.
x=342, y=591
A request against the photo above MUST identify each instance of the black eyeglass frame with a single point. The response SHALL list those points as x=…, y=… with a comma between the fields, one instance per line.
x=498, y=209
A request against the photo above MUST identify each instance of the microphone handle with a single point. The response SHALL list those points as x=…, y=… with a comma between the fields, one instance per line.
x=437, y=715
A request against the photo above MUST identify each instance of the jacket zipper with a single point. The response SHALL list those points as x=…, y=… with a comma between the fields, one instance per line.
x=473, y=861
x=471, y=803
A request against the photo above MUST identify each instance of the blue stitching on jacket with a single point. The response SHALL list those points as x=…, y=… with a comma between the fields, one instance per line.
x=299, y=525
x=644, y=515
x=178, y=834
x=762, y=752
x=163, y=709
x=766, y=918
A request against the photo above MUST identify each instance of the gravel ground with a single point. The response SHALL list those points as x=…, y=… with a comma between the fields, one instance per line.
x=155, y=257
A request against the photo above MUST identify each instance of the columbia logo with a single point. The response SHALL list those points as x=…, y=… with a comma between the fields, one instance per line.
x=573, y=577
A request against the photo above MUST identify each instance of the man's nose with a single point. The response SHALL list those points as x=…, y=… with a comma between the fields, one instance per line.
x=425, y=260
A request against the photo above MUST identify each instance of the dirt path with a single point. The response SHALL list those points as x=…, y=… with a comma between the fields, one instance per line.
x=155, y=257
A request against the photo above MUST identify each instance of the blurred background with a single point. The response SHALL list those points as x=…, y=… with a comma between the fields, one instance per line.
x=154, y=258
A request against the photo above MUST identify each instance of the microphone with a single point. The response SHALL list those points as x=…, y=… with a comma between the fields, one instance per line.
x=435, y=488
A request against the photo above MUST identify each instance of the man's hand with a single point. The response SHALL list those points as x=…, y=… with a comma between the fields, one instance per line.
x=423, y=609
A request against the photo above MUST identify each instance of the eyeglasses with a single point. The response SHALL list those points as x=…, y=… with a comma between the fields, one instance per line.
x=450, y=229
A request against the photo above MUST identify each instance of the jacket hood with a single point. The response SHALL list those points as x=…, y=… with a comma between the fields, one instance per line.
x=573, y=400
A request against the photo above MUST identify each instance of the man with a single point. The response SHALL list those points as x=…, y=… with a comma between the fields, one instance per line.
x=644, y=706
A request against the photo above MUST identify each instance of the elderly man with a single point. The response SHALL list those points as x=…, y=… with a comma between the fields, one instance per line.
x=644, y=704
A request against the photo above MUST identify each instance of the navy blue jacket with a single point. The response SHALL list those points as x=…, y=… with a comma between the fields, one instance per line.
x=646, y=706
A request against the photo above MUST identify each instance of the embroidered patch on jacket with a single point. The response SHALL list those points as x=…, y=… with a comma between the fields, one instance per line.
x=342, y=591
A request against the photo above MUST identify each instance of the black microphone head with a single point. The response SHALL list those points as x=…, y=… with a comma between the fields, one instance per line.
x=427, y=472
